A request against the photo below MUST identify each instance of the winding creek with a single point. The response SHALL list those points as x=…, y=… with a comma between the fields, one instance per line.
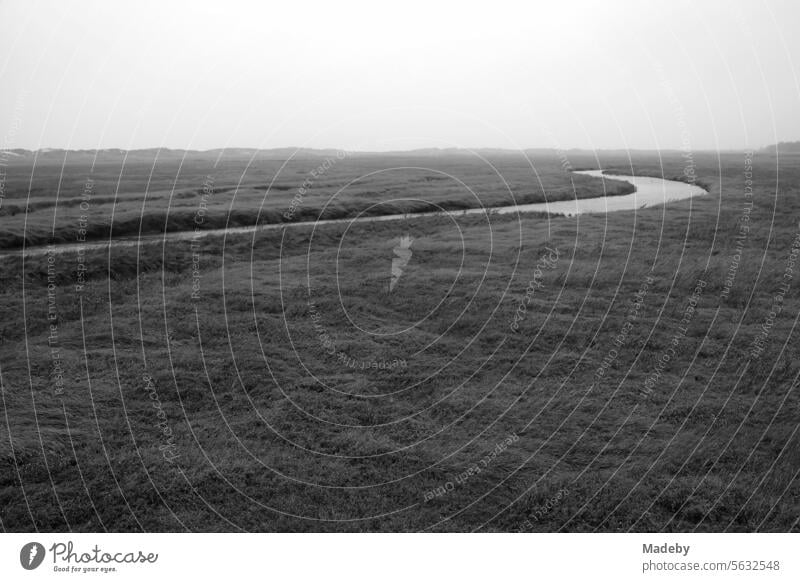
x=649, y=192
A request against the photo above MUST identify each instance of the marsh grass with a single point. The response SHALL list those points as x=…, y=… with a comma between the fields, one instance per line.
x=274, y=434
x=271, y=192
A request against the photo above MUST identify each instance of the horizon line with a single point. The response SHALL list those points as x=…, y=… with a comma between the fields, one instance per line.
x=41, y=150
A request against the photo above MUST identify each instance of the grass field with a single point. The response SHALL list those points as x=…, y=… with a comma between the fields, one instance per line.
x=270, y=382
x=146, y=194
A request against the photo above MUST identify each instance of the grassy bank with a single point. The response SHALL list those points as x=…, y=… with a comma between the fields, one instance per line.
x=60, y=202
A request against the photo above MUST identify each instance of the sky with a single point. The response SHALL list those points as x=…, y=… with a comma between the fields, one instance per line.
x=375, y=76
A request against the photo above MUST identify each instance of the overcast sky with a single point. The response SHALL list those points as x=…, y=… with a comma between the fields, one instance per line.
x=400, y=75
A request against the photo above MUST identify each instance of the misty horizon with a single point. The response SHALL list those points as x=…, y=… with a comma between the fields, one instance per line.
x=793, y=144
x=576, y=75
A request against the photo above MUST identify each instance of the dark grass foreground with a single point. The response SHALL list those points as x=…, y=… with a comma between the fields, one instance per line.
x=235, y=409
